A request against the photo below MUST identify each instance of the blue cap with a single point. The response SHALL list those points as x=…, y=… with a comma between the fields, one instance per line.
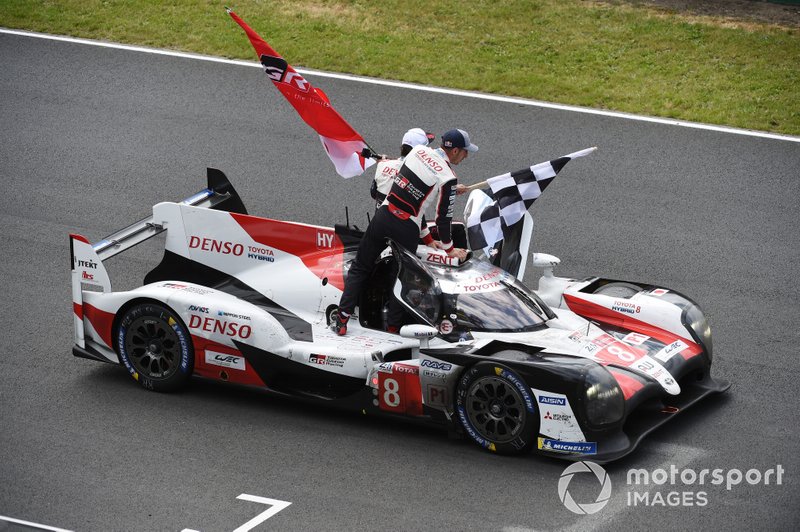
x=458, y=138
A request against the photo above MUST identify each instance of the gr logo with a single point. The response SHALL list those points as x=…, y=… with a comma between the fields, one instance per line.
x=278, y=71
x=586, y=508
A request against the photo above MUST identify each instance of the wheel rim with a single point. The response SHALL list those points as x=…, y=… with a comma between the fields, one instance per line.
x=153, y=347
x=495, y=408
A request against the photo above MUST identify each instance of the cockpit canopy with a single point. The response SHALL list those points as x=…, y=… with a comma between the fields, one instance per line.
x=474, y=296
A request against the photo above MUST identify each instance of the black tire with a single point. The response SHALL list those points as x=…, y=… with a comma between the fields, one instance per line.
x=155, y=346
x=496, y=409
x=619, y=289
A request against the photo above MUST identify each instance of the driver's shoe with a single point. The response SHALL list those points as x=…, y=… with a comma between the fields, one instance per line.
x=339, y=325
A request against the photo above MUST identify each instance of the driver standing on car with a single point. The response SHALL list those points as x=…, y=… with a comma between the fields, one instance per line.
x=425, y=179
x=387, y=168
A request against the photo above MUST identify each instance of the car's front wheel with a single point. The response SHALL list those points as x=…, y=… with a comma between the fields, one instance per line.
x=496, y=409
x=155, y=347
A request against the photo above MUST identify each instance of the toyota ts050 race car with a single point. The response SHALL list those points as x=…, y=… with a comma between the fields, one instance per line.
x=583, y=368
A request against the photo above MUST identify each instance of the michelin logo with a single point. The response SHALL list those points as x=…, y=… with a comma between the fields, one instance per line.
x=573, y=447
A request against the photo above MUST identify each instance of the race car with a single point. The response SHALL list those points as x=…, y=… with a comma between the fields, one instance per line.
x=579, y=369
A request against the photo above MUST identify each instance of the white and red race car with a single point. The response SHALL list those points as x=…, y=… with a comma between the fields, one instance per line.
x=579, y=368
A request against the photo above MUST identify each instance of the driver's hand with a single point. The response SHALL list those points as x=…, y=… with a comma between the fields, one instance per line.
x=460, y=189
x=458, y=253
x=436, y=245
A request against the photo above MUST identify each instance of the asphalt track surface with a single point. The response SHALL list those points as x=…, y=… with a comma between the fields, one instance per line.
x=93, y=137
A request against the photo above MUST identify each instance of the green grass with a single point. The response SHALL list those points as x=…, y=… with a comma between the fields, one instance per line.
x=604, y=55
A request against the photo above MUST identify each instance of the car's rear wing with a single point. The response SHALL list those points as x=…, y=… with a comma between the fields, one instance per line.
x=88, y=272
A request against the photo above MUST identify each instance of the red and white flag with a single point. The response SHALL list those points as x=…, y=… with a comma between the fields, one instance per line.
x=342, y=143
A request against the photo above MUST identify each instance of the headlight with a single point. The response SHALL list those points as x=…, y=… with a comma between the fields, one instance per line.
x=603, y=397
x=696, y=322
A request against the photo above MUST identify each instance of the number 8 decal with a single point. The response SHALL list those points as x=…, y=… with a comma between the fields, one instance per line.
x=622, y=354
x=390, y=396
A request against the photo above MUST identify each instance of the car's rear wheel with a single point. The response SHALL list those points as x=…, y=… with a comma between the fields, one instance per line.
x=496, y=409
x=155, y=347
x=619, y=289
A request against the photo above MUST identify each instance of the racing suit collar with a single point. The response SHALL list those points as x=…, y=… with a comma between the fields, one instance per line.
x=443, y=155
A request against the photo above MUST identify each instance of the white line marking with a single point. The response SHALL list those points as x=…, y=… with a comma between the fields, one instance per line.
x=277, y=506
x=33, y=525
x=413, y=86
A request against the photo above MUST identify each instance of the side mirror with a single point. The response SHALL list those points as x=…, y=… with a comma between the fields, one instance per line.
x=423, y=332
x=548, y=262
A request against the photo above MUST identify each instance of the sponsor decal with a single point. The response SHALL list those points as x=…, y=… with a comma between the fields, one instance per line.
x=225, y=360
x=402, y=368
x=232, y=315
x=444, y=366
x=482, y=287
x=462, y=415
x=446, y=327
x=385, y=367
x=669, y=351
x=326, y=360
x=572, y=447
x=558, y=417
x=635, y=339
x=519, y=385
x=434, y=374
x=626, y=306
x=176, y=286
x=213, y=245
x=435, y=258
x=550, y=400
x=259, y=253
x=87, y=276
x=557, y=420
x=428, y=160
x=577, y=336
x=406, y=185
x=224, y=327
x=87, y=264
x=195, y=308
x=198, y=290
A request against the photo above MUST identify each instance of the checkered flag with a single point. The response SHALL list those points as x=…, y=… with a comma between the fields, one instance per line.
x=513, y=194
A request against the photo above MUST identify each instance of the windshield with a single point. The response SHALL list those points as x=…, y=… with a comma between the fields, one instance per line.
x=506, y=310
x=486, y=298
